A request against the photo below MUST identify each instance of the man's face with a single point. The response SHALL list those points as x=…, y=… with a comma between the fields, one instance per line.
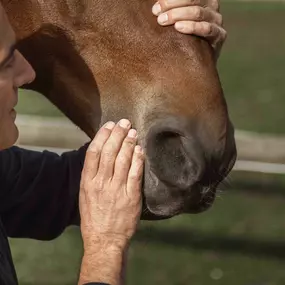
x=15, y=71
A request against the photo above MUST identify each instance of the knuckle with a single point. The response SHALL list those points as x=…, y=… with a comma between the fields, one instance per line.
x=135, y=205
x=100, y=137
x=108, y=151
x=92, y=151
x=123, y=163
x=118, y=134
x=167, y=5
x=106, y=162
x=110, y=197
x=82, y=184
x=216, y=5
x=99, y=183
x=121, y=173
x=85, y=185
x=198, y=12
x=224, y=35
x=134, y=176
x=191, y=2
x=85, y=171
x=191, y=27
x=207, y=28
x=129, y=142
x=171, y=15
x=140, y=157
x=219, y=19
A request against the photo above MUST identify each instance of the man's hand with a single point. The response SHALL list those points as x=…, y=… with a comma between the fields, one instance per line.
x=109, y=201
x=197, y=17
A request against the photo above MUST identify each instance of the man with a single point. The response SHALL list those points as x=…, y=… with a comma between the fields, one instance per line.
x=39, y=192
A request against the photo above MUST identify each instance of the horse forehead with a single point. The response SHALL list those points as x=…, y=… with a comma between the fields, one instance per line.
x=86, y=15
x=59, y=10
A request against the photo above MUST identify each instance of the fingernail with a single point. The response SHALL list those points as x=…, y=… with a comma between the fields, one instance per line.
x=124, y=123
x=156, y=9
x=162, y=18
x=138, y=149
x=109, y=125
x=179, y=26
x=132, y=133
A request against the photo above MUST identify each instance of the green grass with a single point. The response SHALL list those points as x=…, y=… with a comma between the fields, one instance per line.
x=252, y=64
x=241, y=240
x=33, y=103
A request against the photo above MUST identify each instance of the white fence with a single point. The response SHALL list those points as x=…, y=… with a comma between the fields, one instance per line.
x=256, y=152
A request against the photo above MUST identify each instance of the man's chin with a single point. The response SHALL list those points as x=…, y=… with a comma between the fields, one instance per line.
x=9, y=137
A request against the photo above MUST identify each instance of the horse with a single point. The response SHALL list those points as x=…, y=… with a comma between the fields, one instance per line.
x=104, y=60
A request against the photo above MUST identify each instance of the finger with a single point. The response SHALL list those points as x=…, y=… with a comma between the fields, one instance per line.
x=164, y=5
x=136, y=173
x=111, y=149
x=93, y=152
x=214, y=4
x=214, y=34
x=193, y=13
x=202, y=29
x=124, y=158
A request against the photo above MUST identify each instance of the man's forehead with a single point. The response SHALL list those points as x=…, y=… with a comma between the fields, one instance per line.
x=7, y=38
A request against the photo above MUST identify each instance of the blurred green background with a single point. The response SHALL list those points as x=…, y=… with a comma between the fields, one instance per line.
x=241, y=239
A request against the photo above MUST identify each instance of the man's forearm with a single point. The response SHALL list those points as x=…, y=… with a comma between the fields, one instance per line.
x=105, y=265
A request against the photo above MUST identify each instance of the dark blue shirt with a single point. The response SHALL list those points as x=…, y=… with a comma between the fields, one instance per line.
x=38, y=198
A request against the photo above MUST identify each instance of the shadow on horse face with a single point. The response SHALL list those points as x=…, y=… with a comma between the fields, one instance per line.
x=164, y=82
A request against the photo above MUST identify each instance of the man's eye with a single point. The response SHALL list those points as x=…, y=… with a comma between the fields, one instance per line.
x=10, y=63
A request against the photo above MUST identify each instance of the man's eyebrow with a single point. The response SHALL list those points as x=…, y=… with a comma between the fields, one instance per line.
x=9, y=56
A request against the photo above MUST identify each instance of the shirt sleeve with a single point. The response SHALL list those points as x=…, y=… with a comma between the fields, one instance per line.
x=39, y=192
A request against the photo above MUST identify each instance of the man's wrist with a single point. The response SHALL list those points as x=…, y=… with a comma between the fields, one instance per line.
x=108, y=244
x=104, y=252
x=102, y=263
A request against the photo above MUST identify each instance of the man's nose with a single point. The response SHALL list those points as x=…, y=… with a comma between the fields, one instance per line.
x=24, y=73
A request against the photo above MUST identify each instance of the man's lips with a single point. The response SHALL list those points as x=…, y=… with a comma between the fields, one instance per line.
x=13, y=113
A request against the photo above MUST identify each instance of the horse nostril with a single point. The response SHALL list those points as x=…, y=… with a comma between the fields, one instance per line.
x=175, y=159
